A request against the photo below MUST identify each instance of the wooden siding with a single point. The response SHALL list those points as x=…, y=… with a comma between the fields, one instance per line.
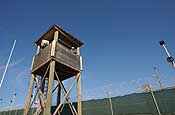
x=42, y=58
x=67, y=57
x=67, y=62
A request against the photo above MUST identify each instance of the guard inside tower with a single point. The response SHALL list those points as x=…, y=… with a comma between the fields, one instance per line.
x=67, y=44
x=44, y=43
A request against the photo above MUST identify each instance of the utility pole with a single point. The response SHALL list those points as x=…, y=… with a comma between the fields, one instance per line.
x=156, y=75
x=110, y=103
x=169, y=58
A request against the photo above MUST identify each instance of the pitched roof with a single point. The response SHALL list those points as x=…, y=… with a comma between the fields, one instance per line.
x=50, y=33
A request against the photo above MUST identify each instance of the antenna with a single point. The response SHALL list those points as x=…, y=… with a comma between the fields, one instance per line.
x=156, y=75
x=7, y=63
x=169, y=58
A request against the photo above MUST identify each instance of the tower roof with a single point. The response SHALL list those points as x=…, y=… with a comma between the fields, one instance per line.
x=49, y=35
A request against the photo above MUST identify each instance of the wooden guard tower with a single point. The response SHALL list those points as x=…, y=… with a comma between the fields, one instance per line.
x=57, y=59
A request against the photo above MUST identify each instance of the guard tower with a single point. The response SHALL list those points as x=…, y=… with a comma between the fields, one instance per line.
x=57, y=59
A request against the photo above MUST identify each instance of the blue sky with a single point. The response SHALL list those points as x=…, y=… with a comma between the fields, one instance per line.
x=120, y=43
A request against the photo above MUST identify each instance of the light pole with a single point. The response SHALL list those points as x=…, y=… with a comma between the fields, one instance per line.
x=169, y=58
x=12, y=101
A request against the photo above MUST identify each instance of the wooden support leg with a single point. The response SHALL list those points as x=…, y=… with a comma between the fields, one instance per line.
x=42, y=85
x=79, y=94
x=58, y=95
x=27, y=106
x=47, y=110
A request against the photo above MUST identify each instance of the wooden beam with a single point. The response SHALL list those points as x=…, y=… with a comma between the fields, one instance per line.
x=47, y=110
x=40, y=86
x=79, y=94
x=73, y=110
x=56, y=35
x=58, y=95
x=66, y=95
x=79, y=85
x=38, y=50
x=27, y=106
x=53, y=48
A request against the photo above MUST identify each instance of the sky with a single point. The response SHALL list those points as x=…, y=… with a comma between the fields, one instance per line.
x=121, y=43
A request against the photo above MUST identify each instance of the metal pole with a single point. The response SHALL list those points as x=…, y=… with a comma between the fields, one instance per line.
x=156, y=75
x=147, y=88
x=157, y=107
x=12, y=101
x=16, y=112
x=7, y=63
x=169, y=58
x=110, y=103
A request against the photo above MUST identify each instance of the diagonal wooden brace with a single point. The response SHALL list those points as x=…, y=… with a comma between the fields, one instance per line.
x=41, y=102
x=67, y=94
x=27, y=106
x=73, y=110
x=40, y=85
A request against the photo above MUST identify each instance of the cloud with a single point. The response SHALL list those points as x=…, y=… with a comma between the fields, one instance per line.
x=12, y=68
x=11, y=65
x=24, y=72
